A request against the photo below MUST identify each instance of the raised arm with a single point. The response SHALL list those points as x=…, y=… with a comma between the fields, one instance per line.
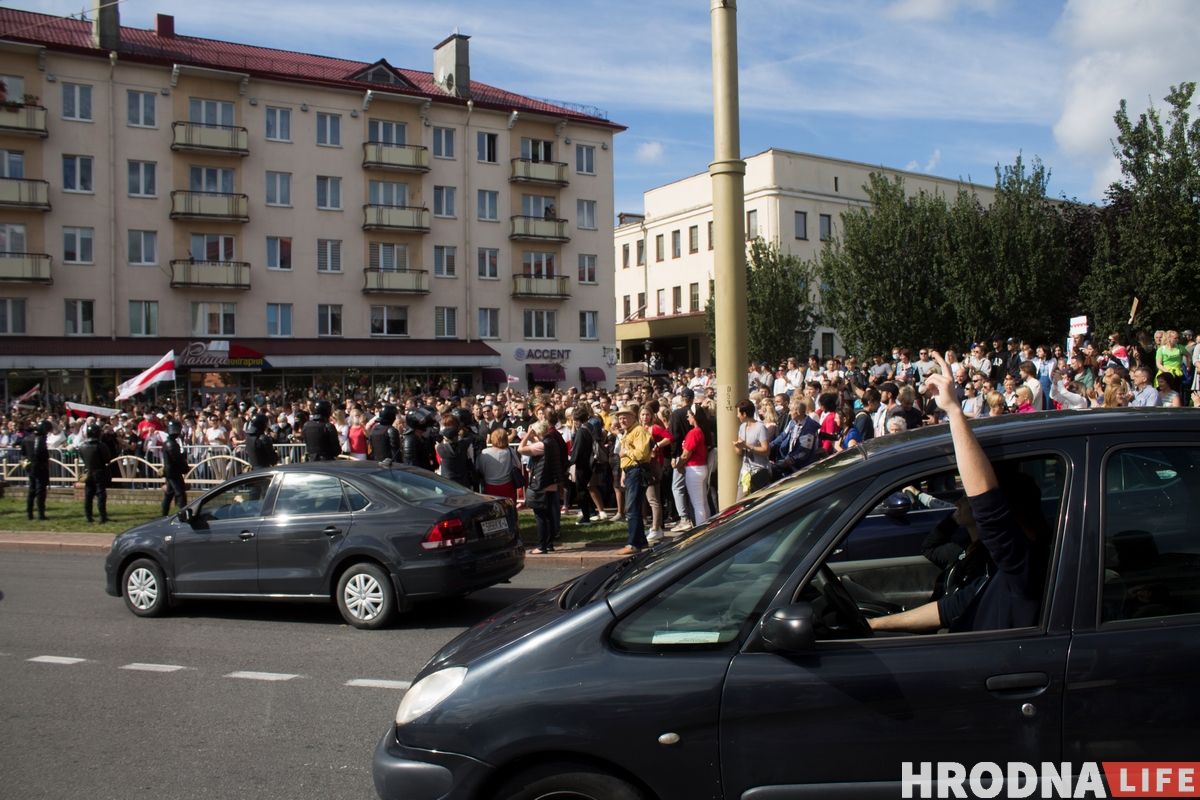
x=975, y=470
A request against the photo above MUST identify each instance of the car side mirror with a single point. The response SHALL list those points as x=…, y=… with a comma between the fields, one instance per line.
x=897, y=505
x=186, y=515
x=789, y=629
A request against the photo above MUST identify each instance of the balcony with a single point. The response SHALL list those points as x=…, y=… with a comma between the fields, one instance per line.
x=409, y=219
x=539, y=229
x=25, y=268
x=215, y=206
x=546, y=173
x=554, y=287
x=191, y=274
x=24, y=193
x=24, y=120
x=396, y=281
x=399, y=157
x=200, y=138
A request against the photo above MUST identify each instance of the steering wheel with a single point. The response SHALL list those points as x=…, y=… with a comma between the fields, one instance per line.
x=847, y=610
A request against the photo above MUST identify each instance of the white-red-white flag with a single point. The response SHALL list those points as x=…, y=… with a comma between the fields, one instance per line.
x=164, y=370
x=35, y=390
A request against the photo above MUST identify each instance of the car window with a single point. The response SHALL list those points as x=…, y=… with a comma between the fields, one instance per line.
x=1151, y=528
x=415, y=487
x=358, y=500
x=305, y=493
x=242, y=500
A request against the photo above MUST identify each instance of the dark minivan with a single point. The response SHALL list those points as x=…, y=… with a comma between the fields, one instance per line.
x=740, y=663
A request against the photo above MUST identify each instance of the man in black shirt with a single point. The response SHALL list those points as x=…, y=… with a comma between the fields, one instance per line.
x=95, y=456
x=385, y=439
x=260, y=451
x=175, y=469
x=37, y=456
x=998, y=361
x=320, y=437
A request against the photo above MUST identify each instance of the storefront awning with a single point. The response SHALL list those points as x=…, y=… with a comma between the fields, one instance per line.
x=494, y=375
x=547, y=373
x=592, y=375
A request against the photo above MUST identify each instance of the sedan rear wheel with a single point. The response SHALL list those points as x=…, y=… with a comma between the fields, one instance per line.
x=567, y=781
x=144, y=588
x=365, y=596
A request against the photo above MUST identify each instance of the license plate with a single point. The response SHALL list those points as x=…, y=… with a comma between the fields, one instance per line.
x=494, y=526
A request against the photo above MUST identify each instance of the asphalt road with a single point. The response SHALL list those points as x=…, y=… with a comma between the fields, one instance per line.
x=102, y=727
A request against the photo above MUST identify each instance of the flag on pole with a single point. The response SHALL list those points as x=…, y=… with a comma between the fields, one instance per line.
x=35, y=390
x=513, y=379
x=81, y=410
x=164, y=370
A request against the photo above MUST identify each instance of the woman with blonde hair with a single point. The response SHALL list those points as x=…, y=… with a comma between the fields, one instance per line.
x=997, y=405
x=768, y=417
x=1115, y=397
x=356, y=436
x=1024, y=400
x=497, y=466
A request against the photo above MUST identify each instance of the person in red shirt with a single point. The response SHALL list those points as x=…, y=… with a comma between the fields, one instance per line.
x=149, y=424
x=693, y=463
x=828, y=403
x=661, y=438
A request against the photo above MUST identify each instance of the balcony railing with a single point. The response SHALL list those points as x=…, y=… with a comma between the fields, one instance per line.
x=23, y=119
x=210, y=205
x=553, y=287
x=398, y=281
x=199, y=137
x=25, y=268
x=402, y=157
x=539, y=229
x=526, y=170
x=414, y=219
x=188, y=273
x=24, y=193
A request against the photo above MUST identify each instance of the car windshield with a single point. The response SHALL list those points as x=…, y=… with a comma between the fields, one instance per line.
x=416, y=487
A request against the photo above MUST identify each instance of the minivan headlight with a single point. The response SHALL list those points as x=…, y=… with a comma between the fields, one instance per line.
x=428, y=692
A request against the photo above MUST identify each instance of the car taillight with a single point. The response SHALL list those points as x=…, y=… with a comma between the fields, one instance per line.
x=447, y=533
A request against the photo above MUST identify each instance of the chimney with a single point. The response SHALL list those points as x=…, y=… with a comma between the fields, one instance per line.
x=106, y=24
x=452, y=65
x=164, y=26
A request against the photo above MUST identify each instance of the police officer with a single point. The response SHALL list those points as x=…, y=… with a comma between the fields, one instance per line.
x=320, y=437
x=33, y=446
x=385, y=439
x=414, y=451
x=95, y=456
x=175, y=468
x=260, y=451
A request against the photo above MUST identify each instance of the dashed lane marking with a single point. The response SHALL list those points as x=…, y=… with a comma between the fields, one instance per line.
x=262, y=676
x=153, y=667
x=56, y=660
x=379, y=684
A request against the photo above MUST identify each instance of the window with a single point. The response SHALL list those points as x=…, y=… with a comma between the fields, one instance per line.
x=835, y=183
x=587, y=268
x=12, y=315
x=329, y=130
x=626, y=306
x=329, y=255
x=660, y=247
x=382, y=193
x=801, y=224
x=489, y=260
x=389, y=320
x=676, y=299
x=329, y=320
x=489, y=206
x=242, y=500
x=585, y=159
x=302, y=494
x=77, y=173
x=443, y=201
x=585, y=211
x=143, y=248
x=212, y=247
x=538, y=150
x=641, y=301
x=210, y=112
x=443, y=142
x=77, y=245
x=443, y=261
x=533, y=205
x=12, y=164
x=641, y=252
x=445, y=322
x=751, y=225
x=79, y=320
x=143, y=318
x=279, y=252
x=279, y=124
x=539, y=265
x=279, y=319
x=141, y=109
x=694, y=295
x=142, y=179
x=384, y=132
x=329, y=193
x=540, y=324
x=77, y=102
x=676, y=244
x=625, y=256
x=487, y=148
x=489, y=323
x=14, y=87
x=213, y=319
x=279, y=188
x=12, y=238
x=710, y=234
x=587, y=324
x=826, y=227
x=388, y=257
x=661, y=295
x=694, y=239
x=210, y=179
x=826, y=345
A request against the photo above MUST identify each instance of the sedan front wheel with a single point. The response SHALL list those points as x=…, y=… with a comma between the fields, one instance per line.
x=365, y=597
x=144, y=588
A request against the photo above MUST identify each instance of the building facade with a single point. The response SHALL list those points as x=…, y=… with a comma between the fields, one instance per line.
x=350, y=224
x=665, y=257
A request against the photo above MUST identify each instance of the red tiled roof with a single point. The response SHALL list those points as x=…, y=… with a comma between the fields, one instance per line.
x=139, y=44
x=141, y=346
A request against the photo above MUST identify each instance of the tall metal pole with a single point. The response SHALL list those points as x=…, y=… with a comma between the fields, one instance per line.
x=729, y=246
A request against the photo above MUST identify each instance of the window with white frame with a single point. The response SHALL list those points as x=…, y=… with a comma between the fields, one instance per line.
x=279, y=252
x=77, y=245
x=77, y=102
x=660, y=247
x=676, y=299
x=213, y=319
x=12, y=315
x=12, y=164
x=384, y=132
x=77, y=174
x=329, y=130
x=826, y=221
x=14, y=87
x=662, y=301
x=143, y=179
x=537, y=150
x=443, y=201
x=801, y=224
x=540, y=324
x=489, y=263
x=625, y=256
x=329, y=320
x=12, y=238
x=627, y=308
x=140, y=109
x=751, y=225
x=694, y=239
x=383, y=193
x=389, y=320
x=533, y=205
x=279, y=319
x=443, y=142
x=489, y=206
x=279, y=188
x=329, y=193
x=587, y=324
x=388, y=257
x=329, y=255
x=538, y=265
x=143, y=318
x=676, y=244
x=585, y=159
x=489, y=323
x=143, y=248
x=710, y=234
x=694, y=295
x=212, y=247
x=487, y=147
x=210, y=179
x=445, y=322
x=79, y=317
x=279, y=124
x=587, y=268
x=210, y=112
x=585, y=212
x=443, y=261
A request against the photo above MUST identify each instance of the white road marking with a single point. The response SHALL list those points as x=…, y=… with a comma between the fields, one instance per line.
x=262, y=676
x=57, y=660
x=379, y=684
x=153, y=667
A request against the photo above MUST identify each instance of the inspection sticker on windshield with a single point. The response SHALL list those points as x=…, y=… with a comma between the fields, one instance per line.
x=685, y=637
x=494, y=526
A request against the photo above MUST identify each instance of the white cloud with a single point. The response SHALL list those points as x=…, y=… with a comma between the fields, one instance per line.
x=649, y=152
x=933, y=161
x=911, y=166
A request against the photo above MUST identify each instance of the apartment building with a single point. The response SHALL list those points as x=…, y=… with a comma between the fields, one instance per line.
x=284, y=220
x=665, y=256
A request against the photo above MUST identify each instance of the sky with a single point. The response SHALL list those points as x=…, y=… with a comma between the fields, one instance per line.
x=947, y=87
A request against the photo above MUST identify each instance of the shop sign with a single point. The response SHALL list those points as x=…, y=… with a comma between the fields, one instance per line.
x=547, y=355
x=219, y=356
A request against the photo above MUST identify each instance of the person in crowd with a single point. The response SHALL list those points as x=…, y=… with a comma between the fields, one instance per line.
x=768, y=417
x=499, y=467
x=973, y=400
x=896, y=425
x=37, y=466
x=320, y=436
x=384, y=437
x=1170, y=358
x=660, y=444
x=175, y=470
x=1025, y=400
x=848, y=435
x=356, y=437
x=1068, y=394
x=997, y=404
x=796, y=447
x=692, y=464
x=1168, y=395
x=453, y=451
x=259, y=449
x=634, y=459
x=545, y=474
x=95, y=456
x=1029, y=379
x=579, y=459
x=1144, y=393
x=913, y=414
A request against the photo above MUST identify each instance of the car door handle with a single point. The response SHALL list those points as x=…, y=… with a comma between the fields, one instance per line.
x=1019, y=684
x=246, y=534
x=332, y=531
